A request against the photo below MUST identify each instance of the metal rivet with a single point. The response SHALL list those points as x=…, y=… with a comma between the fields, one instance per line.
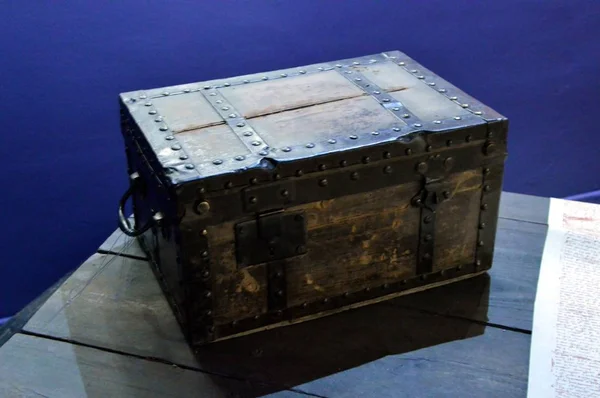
x=406, y=116
x=212, y=94
x=323, y=182
x=227, y=84
x=427, y=219
x=254, y=181
x=486, y=171
x=414, y=71
x=263, y=153
x=158, y=119
x=374, y=132
x=446, y=194
x=422, y=167
x=265, y=78
x=431, y=83
x=304, y=305
x=152, y=112
x=387, y=169
x=163, y=128
x=408, y=151
x=489, y=148
x=325, y=300
x=442, y=90
x=449, y=143
x=207, y=87
x=169, y=138
x=396, y=129
x=286, y=149
x=241, y=124
x=366, y=159
x=401, y=63
x=343, y=163
x=478, y=113
x=448, y=163
x=396, y=109
x=186, y=90
x=310, y=145
x=232, y=115
x=481, y=225
x=428, y=148
x=468, y=138
x=277, y=176
x=358, y=79
x=207, y=294
x=189, y=166
x=418, y=125
x=487, y=188
x=331, y=141
x=376, y=92
x=339, y=65
x=166, y=93
x=148, y=104
x=420, y=77
x=217, y=161
x=176, y=147
x=353, y=137
x=183, y=157
x=246, y=81
x=453, y=98
x=299, y=173
x=320, y=68
x=219, y=101
x=437, y=122
x=367, y=289
x=480, y=243
x=247, y=133
x=143, y=96
x=428, y=237
x=240, y=157
x=354, y=176
x=302, y=72
x=225, y=108
x=322, y=167
x=211, y=329
x=355, y=63
x=256, y=143
x=285, y=193
x=283, y=75
x=478, y=262
x=385, y=100
x=484, y=206
x=252, y=200
x=457, y=118
x=490, y=134
x=464, y=105
x=387, y=155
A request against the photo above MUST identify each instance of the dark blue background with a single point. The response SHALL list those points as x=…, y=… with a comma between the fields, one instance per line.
x=62, y=65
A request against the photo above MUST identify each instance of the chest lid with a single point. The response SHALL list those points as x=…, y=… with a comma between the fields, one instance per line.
x=205, y=129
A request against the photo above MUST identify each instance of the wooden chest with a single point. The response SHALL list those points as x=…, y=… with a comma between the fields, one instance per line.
x=274, y=198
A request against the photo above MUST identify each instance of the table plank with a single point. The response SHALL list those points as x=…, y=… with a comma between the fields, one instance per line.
x=36, y=367
x=119, y=243
x=521, y=207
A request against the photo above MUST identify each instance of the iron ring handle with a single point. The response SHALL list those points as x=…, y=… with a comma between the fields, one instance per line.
x=124, y=224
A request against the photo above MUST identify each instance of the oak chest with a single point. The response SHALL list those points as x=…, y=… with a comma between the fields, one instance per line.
x=273, y=198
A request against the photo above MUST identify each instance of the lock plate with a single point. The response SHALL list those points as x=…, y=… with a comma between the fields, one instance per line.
x=270, y=237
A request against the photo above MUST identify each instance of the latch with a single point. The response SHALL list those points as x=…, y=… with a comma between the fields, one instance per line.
x=271, y=236
x=428, y=199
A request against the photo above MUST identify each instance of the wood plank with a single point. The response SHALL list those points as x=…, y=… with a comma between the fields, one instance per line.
x=113, y=301
x=186, y=112
x=319, y=123
x=521, y=207
x=210, y=143
x=36, y=367
x=382, y=350
x=272, y=96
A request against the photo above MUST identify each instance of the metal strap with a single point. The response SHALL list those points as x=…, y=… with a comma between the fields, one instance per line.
x=238, y=124
x=384, y=98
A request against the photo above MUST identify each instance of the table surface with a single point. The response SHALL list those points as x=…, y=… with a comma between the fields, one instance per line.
x=106, y=330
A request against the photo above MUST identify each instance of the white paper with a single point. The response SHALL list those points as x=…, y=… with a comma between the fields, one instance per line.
x=565, y=343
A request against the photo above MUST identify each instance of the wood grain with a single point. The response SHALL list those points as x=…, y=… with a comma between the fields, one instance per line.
x=318, y=123
x=36, y=367
x=274, y=96
x=119, y=243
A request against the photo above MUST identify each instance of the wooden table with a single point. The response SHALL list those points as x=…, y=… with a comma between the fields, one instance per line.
x=107, y=331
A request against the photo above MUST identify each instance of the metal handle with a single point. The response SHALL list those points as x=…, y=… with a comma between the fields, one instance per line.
x=124, y=224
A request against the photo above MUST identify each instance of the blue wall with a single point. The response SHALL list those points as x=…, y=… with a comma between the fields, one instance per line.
x=62, y=66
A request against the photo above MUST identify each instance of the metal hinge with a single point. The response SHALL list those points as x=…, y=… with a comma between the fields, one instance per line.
x=428, y=199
